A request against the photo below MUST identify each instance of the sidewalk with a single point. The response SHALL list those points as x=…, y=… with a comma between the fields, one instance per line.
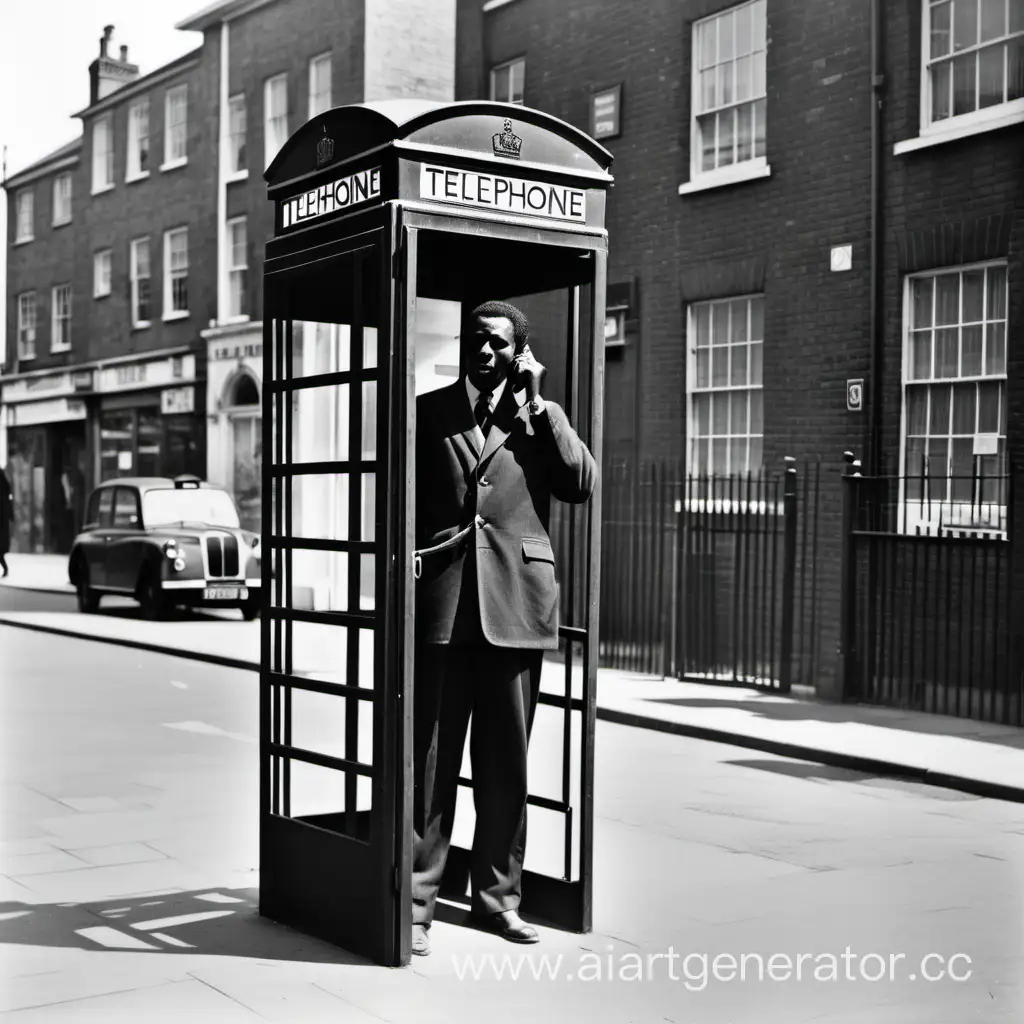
x=976, y=757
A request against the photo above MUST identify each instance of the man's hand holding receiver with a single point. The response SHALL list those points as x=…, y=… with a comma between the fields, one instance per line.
x=528, y=372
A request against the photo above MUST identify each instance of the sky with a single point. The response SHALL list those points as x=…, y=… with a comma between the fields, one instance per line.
x=44, y=75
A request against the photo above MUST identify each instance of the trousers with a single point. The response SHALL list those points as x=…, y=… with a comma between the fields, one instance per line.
x=498, y=688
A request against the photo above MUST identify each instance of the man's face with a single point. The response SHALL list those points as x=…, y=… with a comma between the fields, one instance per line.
x=489, y=350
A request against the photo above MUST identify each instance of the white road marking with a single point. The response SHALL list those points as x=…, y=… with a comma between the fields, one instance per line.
x=219, y=897
x=179, y=685
x=172, y=940
x=170, y=922
x=13, y=914
x=113, y=939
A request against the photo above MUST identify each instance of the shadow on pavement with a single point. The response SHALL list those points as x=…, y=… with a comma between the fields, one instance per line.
x=793, y=710
x=210, y=922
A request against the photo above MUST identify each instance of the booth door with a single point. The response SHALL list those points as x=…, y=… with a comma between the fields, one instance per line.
x=333, y=828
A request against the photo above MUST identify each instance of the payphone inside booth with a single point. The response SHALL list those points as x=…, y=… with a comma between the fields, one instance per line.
x=392, y=220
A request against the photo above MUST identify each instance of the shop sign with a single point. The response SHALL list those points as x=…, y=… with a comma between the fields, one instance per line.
x=237, y=350
x=502, y=194
x=50, y=410
x=155, y=373
x=82, y=380
x=28, y=388
x=332, y=197
x=174, y=401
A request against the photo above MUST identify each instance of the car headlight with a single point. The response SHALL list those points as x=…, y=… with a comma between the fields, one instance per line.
x=171, y=549
x=179, y=563
x=257, y=551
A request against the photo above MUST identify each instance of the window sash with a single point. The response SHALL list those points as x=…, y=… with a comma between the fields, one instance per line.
x=138, y=139
x=25, y=211
x=176, y=271
x=60, y=324
x=102, y=154
x=236, y=134
x=27, y=318
x=101, y=273
x=140, y=281
x=62, y=199
x=508, y=81
x=275, y=114
x=319, y=84
x=175, y=130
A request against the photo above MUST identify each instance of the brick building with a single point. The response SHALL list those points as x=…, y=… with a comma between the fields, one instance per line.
x=134, y=319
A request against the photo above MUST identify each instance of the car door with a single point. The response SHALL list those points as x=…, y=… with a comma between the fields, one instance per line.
x=125, y=536
x=99, y=544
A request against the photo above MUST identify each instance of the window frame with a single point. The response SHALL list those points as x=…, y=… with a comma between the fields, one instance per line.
x=232, y=268
x=313, y=62
x=134, y=279
x=270, y=151
x=105, y=121
x=979, y=119
x=744, y=170
x=58, y=317
x=507, y=66
x=170, y=95
x=29, y=234
x=32, y=304
x=692, y=388
x=96, y=292
x=237, y=173
x=171, y=274
x=64, y=176
x=913, y=519
x=134, y=171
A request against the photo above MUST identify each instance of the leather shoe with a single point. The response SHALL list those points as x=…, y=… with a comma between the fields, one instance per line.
x=509, y=925
x=420, y=940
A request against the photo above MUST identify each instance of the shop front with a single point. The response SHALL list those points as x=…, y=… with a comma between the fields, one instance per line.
x=234, y=423
x=148, y=419
x=45, y=427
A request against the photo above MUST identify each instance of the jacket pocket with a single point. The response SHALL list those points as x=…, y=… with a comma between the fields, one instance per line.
x=537, y=550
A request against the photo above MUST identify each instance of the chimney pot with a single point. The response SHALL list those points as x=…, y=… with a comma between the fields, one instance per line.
x=124, y=54
x=108, y=31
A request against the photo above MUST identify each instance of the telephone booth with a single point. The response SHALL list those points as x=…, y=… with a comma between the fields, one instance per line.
x=391, y=220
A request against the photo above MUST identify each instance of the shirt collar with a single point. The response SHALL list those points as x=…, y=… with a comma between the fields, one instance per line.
x=474, y=394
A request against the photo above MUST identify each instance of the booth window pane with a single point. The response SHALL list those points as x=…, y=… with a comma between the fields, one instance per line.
x=320, y=506
x=320, y=424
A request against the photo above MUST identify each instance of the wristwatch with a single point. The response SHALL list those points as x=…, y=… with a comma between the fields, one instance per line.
x=536, y=406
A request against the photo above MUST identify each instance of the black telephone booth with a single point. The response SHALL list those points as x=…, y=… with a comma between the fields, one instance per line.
x=390, y=220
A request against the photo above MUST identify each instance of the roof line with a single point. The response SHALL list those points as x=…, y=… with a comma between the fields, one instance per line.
x=141, y=84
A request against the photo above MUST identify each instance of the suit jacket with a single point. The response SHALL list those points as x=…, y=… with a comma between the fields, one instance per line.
x=507, y=488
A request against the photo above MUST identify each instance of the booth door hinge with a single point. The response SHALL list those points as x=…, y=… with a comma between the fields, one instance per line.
x=396, y=879
x=397, y=262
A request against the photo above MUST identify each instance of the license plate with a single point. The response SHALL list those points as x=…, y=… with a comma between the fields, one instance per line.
x=225, y=593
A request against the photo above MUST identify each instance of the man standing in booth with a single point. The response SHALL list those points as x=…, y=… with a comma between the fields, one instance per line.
x=490, y=455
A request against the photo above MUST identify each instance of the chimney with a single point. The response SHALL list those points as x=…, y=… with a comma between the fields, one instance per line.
x=107, y=74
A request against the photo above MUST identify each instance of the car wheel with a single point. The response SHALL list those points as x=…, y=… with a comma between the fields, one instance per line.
x=88, y=599
x=250, y=610
x=151, y=596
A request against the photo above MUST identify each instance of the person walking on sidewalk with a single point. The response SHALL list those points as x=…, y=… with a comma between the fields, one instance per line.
x=6, y=518
x=487, y=467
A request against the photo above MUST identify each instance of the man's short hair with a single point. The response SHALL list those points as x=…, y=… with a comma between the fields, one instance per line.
x=520, y=325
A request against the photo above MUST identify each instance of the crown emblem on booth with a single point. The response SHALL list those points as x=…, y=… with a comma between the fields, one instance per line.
x=506, y=142
x=324, y=149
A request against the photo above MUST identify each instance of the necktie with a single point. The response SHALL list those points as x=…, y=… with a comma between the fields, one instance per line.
x=482, y=409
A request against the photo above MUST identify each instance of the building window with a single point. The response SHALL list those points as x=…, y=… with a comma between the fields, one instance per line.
x=726, y=415
x=60, y=319
x=101, y=269
x=275, y=113
x=236, y=135
x=319, y=84
x=973, y=61
x=27, y=325
x=25, y=205
x=175, y=126
x=508, y=81
x=62, y=199
x=139, y=271
x=102, y=154
x=728, y=124
x=954, y=395
x=138, y=140
x=176, y=273
x=237, y=266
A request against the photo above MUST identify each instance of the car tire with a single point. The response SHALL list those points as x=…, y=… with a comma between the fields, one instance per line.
x=151, y=596
x=250, y=610
x=88, y=599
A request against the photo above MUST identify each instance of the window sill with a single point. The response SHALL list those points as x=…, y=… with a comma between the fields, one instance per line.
x=237, y=318
x=102, y=189
x=57, y=351
x=101, y=295
x=141, y=176
x=25, y=241
x=141, y=325
x=731, y=176
x=180, y=314
x=937, y=136
x=492, y=5
x=173, y=164
x=26, y=359
x=236, y=176
x=60, y=223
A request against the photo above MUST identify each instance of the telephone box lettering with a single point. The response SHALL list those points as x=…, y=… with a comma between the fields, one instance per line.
x=500, y=192
x=329, y=198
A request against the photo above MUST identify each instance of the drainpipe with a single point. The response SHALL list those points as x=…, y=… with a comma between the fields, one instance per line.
x=873, y=444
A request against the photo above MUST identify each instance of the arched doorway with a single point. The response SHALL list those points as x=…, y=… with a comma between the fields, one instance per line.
x=242, y=406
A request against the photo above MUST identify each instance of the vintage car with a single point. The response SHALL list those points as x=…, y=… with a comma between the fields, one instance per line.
x=165, y=542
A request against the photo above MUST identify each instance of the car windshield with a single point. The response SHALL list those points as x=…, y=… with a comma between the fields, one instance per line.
x=189, y=505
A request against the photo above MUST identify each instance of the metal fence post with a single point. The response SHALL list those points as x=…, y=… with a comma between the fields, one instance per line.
x=848, y=580
x=788, y=574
